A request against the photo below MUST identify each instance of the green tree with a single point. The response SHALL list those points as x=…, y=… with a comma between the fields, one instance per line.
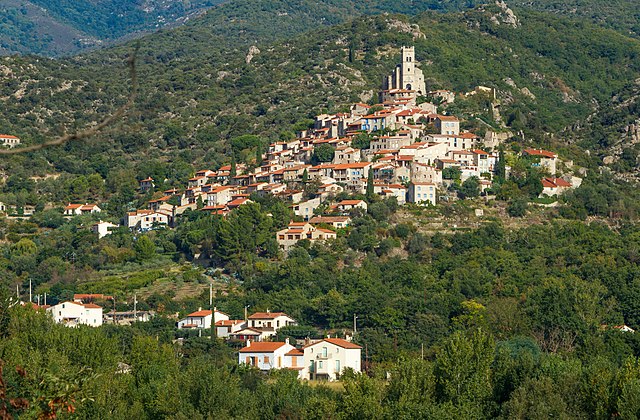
x=470, y=188
x=323, y=153
x=370, y=187
x=463, y=369
x=144, y=248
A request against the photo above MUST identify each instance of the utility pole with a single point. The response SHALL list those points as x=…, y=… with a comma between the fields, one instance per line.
x=246, y=318
x=135, y=307
x=30, y=299
x=45, y=298
x=18, y=292
x=355, y=327
x=213, y=313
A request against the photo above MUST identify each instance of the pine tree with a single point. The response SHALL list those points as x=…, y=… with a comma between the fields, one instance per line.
x=370, y=189
x=233, y=172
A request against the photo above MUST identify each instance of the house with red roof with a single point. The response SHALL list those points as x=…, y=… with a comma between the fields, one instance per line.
x=338, y=222
x=202, y=319
x=73, y=314
x=554, y=186
x=447, y=124
x=328, y=358
x=297, y=231
x=547, y=159
x=226, y=327
x=348, y=205
x=9, y=141
x=76, y=209
x=265, y=355
x=270, y=322
x=143, y=220
x=146, y=184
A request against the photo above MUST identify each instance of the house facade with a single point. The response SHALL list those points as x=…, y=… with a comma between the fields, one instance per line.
x=202, y=319
x=423, y=193
x=327, y=359
x=73, y=314
x=265, y=355
x=270, y=322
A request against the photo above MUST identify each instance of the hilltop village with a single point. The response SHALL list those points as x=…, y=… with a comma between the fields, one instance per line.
x=405, y=147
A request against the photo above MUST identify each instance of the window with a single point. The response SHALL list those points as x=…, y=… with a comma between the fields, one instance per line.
x=266, y=360
x=337, y=366
x=324, y=352
x=320, y=364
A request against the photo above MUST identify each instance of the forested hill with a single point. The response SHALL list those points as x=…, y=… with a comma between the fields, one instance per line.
x=52, y=28
x=58, y=27
x=198, y=91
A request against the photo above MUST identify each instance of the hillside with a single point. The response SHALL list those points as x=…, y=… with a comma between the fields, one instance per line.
x=53, y=28
x=198, y=91
x=621, y=15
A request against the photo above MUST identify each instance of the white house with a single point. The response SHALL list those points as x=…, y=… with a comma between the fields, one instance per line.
x=554, y=186
x=548, y=159
x=348, y=205
x=328, y=358
x=146, y=219
x=103, y=228
x=221, y=195
x=146, y=184
x=202, y=319
x=75, y=209
x=422, y=193
x=338, y=222
x=73, y=314
x=305, y=209
x=265, y=355
x=9, y=141
x=447, y=124
x=270, y=322
x=226, y=327
x=297, y=231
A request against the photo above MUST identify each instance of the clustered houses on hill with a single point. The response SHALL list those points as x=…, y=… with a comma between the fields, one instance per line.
x=409, y=148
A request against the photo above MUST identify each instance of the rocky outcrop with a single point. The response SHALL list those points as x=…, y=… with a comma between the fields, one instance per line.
x=253, y=51
x=506, y=16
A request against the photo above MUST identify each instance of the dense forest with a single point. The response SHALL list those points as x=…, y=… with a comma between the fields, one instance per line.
x=491, y=322
x=52, y=28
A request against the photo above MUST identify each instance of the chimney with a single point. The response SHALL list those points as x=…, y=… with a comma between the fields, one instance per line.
x=248, y=343
x=268, y=311
x=199, y=308
x=286, y=340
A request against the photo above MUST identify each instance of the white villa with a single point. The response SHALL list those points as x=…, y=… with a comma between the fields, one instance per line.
x=73, y=314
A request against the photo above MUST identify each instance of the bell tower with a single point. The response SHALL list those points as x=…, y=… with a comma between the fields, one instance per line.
x=408, y=69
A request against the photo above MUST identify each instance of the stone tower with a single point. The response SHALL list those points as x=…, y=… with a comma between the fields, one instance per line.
x=407, y=75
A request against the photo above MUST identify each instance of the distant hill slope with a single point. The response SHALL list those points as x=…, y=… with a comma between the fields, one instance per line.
x=51, y=28
x=621, y=15
x=198, y=91
x=54, y=27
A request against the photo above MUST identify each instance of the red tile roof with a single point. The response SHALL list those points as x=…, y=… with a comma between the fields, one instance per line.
x=262, y=347
x=540, y=152
x=201, y=313
x=267, y=315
